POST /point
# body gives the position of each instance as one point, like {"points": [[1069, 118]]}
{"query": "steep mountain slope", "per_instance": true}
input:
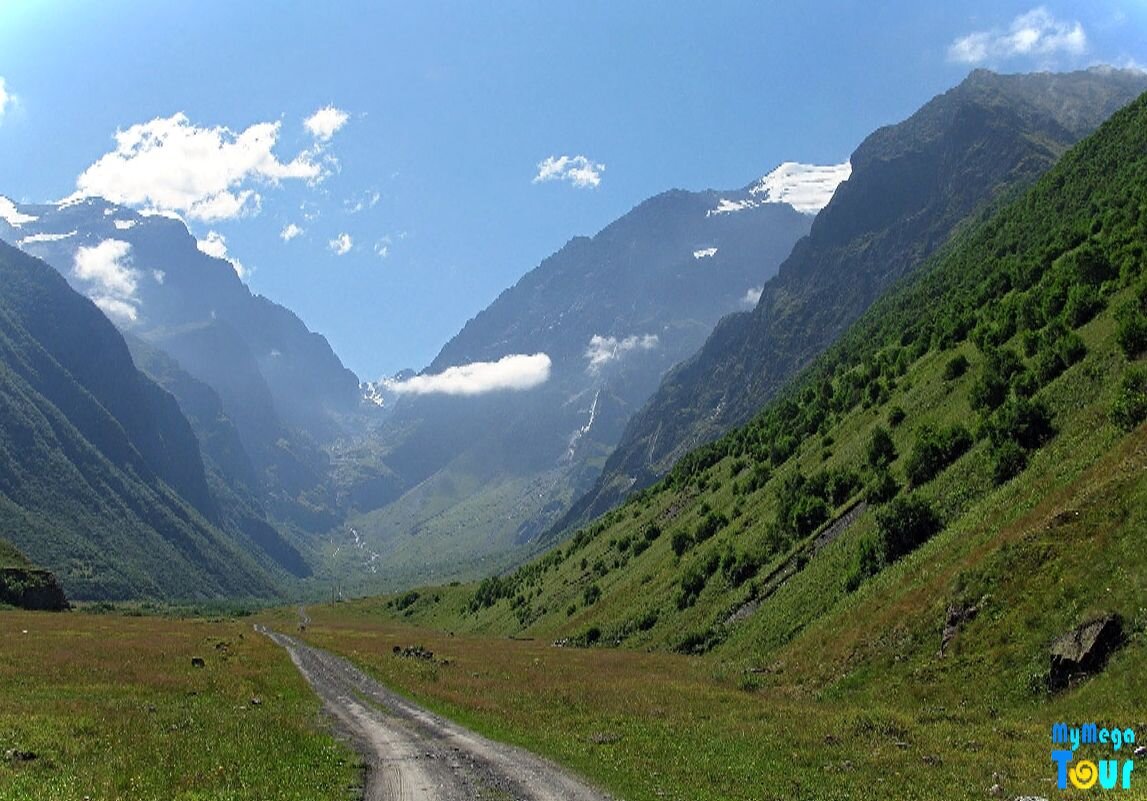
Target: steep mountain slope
{"points": [[101, 478], [280, 384], [953, 486], [482, 475], [233, 481], [911, 185]]}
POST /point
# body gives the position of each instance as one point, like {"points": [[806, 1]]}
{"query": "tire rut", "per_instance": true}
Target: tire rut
{"points": [[414, 755]]}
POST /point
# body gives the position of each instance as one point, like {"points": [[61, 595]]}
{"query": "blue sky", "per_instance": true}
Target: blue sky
{"points": [[416, 193]]}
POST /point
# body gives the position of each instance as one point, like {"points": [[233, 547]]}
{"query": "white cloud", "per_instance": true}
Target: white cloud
{"points": [[753, 296], [1034, 34], [289, 232], [367, 201], [704, 253], [515, 372], [578, 170], [112, 282], [159, 275], [6, 99], [215, 245], [603, 350], [382, 247], [325, 123], [169, 166], [341, 244]]}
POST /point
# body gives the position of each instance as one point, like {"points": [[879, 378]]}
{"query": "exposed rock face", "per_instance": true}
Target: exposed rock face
{"points": [[1084, 650], [30, 588], [954, 619]]}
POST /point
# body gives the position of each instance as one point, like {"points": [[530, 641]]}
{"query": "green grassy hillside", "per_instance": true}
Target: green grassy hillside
{"points": [[971, 450]]}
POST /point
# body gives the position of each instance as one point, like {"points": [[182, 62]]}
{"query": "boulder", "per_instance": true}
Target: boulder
{"points": [[954, 619], [1084, 650]]}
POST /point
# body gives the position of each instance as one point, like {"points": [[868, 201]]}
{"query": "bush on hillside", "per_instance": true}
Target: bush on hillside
{"points": [[934, 450], [1008, 461], [882, 488], [905, 524], [956, 367], [1024, 421], [1130, 406], [1131, 328], [881, 450], [869, 562]]}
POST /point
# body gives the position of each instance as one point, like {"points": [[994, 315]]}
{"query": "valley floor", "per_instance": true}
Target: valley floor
{"points": [[119, 707], [663, 726]]}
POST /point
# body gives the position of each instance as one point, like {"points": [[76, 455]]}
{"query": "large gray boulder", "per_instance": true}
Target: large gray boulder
{"points": [[1084, 650]]}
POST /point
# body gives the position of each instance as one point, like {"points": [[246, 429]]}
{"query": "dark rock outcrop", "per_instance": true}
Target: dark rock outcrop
{"points": [[31, 588], [1084, 650]]}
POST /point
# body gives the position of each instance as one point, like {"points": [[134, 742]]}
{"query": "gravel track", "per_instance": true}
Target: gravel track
{"points": [[414, 755]]}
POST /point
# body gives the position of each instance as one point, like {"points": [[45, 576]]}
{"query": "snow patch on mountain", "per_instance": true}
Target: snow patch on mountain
{"points": [[35, 238], [12, 215], [805, 187]]}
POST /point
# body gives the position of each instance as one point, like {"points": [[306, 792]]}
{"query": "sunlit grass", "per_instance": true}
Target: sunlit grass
{"points": [[112, 708]]}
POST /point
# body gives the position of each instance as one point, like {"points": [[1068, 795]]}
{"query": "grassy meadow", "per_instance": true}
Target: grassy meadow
{"points": [[655, 725], [110, 708]]}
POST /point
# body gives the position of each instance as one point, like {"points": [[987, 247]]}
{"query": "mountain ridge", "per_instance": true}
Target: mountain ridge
{"points": [[989, 132]]}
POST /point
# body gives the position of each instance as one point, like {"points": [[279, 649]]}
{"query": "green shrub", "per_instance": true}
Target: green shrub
{"points": [[896, 416], [869, 562], [809, 512], [406, 600], [882, 488], [1008, 461], [1025, 421], [881, 450], [934, 450], [904, 525], [739, 568], [681, 542], [1130, 406], [1083, 303], [712, 523], [956, 367], [1131, 328], [694, 579]]}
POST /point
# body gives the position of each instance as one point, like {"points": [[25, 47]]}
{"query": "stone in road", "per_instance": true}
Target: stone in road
{"points": [[414, 755]]}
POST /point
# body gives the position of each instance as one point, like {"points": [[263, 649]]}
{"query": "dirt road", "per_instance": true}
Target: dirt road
{"points": [[413, 755]]}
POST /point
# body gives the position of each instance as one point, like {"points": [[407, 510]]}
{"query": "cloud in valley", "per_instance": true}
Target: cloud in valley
{"points": [[603, 350], [1036, 34], [111, 280], [516, 372], [170, 165], [580, 171]]}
